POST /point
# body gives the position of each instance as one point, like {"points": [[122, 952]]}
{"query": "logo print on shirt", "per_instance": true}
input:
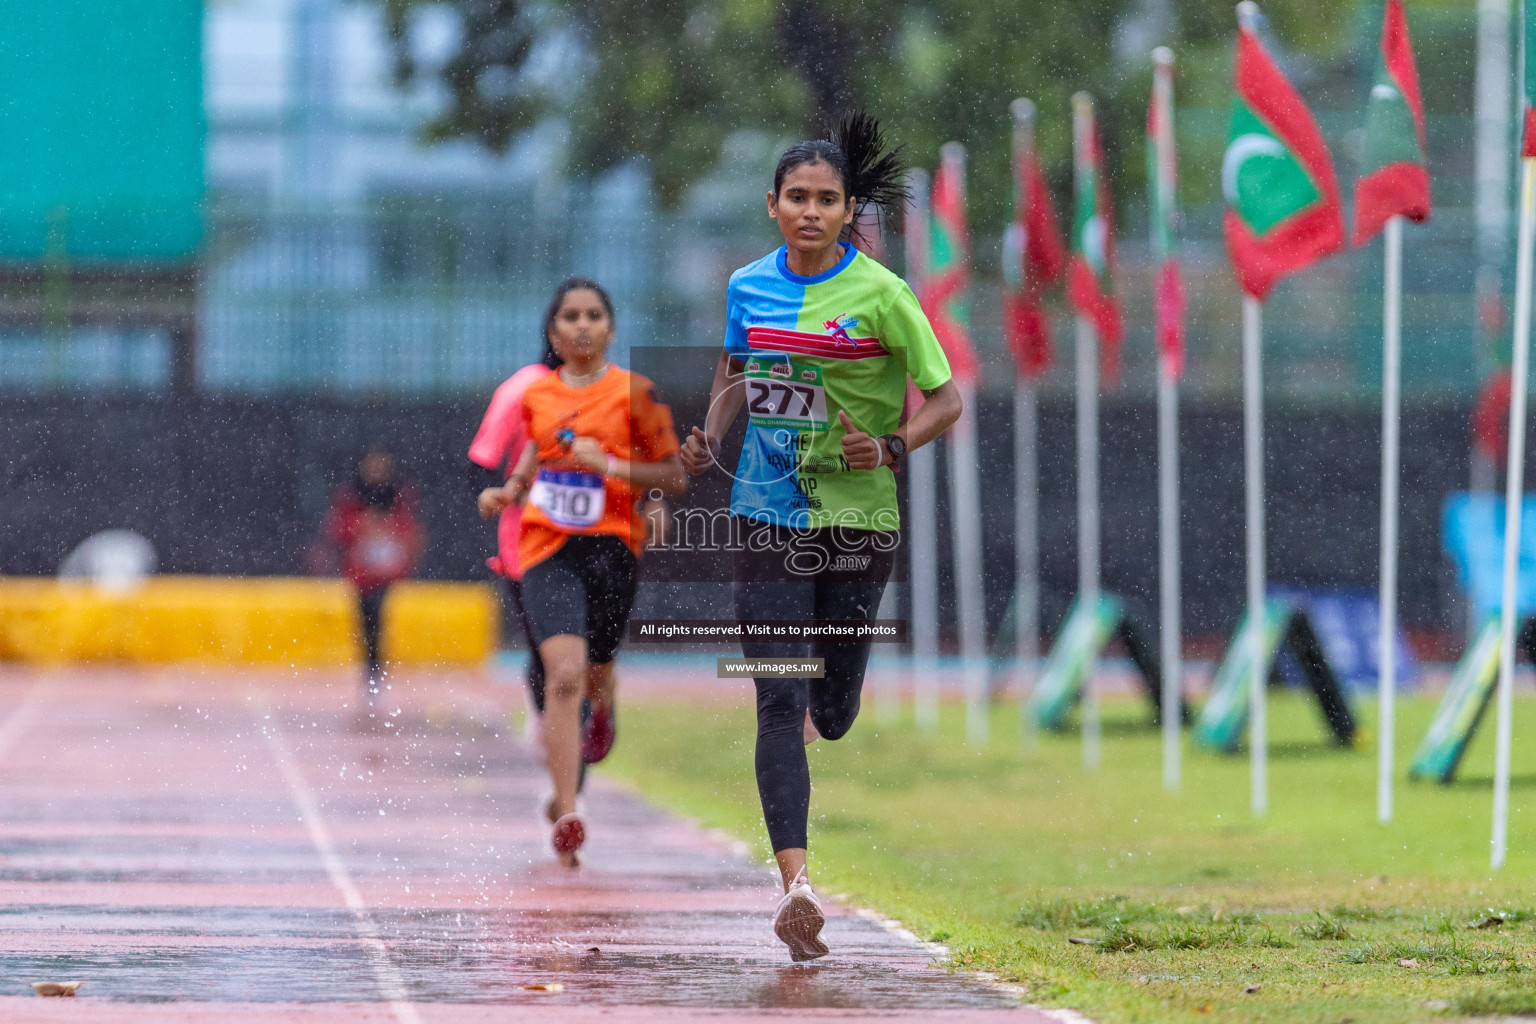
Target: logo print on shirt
{"points": [[566, 434], [839, 326]]}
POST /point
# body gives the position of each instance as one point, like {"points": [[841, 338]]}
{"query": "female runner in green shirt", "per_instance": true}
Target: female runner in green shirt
{"points": [[820, 342]]}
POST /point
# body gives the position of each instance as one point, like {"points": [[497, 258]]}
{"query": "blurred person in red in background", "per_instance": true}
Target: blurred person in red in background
{"points": [[372, 524]]}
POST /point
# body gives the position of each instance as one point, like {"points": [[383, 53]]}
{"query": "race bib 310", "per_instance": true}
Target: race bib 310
{"points": [[569, 498]]}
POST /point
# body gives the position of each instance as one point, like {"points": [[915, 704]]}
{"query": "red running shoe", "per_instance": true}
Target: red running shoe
{"points": [[597, 734], [570, 832]]}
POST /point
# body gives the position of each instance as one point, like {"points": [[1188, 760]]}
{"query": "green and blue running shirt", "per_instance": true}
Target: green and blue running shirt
{"points": [[846, 339]]}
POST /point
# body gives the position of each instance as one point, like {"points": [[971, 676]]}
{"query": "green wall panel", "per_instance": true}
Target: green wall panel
{"points": [[101, 130]]}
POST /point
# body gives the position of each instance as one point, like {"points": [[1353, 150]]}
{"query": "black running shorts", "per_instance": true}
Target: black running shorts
{"points": [[585, 589]]}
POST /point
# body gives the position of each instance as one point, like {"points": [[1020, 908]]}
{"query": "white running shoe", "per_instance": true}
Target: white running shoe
{"points": [[799, 920]]}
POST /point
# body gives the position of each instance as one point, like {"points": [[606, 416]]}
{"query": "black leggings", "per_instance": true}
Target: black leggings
{"points": [[370, 604], [765, 589]]}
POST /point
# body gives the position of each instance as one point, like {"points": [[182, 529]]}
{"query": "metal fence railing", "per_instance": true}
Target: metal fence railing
{"points": [[422, 297]]}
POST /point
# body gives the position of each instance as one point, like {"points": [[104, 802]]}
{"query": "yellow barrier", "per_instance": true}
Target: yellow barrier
{"points": [[215, 619]]}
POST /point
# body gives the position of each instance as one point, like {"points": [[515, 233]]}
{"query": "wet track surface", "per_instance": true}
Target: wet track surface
{"points": [[216, 847]]}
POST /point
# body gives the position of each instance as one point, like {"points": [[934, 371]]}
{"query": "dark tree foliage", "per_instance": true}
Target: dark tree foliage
{"points": [[482, 76], [668, 81]]}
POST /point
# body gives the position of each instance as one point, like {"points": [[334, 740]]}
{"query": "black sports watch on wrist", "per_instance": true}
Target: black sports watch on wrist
{"points": [[895, 445]]}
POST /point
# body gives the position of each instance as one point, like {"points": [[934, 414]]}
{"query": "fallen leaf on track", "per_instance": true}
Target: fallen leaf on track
{"points": [[55, 988], [553, 986]]}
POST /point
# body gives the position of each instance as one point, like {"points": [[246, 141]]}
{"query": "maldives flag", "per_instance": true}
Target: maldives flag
{"points": [[948, 273], [1283, 209], [1528, 144], [1033, 254], [1091, 272], [1162, 184], [1395, 178]]}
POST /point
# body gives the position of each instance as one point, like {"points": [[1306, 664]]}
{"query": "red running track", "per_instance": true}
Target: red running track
{"points": [[195, 845]]}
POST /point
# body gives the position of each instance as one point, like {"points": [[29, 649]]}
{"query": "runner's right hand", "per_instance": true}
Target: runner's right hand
{"points": [[492, 501], [699, 452]]}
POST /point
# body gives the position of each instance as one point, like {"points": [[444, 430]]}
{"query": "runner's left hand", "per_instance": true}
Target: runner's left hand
{"points": [[859, 449], [590, 454]]}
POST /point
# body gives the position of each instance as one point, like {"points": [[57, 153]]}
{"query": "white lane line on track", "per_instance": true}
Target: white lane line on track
{"points": [[390, 983], [22, 717]]}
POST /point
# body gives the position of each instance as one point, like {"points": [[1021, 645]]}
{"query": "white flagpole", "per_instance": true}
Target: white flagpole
{"points": [[1494, 105], [1253, 451], [922, 507], [1391, 388], [1087, 366], [1088, 516], [965, 532], [1026, 544], [1169, 589], [884, 688], [1168, 457], [1026, 477], [922, 533], [1513, 501]]}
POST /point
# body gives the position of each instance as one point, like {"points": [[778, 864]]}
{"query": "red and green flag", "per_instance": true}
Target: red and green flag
{"points": [[1528, 59], [1162, 184], [1490, 413], [1394, 179], [1091, 270], [1283, 208], [1033, 254], [947, 276]]}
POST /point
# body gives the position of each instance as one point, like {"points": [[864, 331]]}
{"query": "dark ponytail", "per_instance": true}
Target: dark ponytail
{"points": [[875, 175], [857, 151]]}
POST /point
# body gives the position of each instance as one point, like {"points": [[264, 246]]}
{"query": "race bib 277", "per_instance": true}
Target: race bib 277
{"points": [[786, 394]]}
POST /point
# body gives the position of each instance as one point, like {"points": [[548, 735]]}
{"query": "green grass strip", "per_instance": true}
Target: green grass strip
{"points": [[1183, 903]]}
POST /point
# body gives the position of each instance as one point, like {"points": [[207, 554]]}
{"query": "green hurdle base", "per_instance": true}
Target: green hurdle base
{"points": [[1466, 700], [1090, 627], [1225, 714]]}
